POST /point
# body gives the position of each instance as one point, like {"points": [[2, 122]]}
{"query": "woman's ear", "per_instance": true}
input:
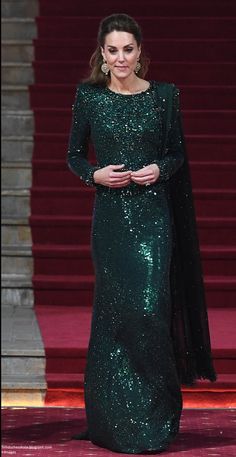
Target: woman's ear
{"points": [[102, 52]]}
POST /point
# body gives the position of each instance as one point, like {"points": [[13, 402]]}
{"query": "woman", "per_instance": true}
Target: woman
{"points": [[149, 331]]}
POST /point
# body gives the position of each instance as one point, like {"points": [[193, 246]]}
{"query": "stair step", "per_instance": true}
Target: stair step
{"points": [[21, 336], [16, 280], [188, 72], [17, 51], [22, 350], [73, 346], [208, 97], [217, 230], [210, 147], [84, 282], [168, 49], [165, 8], [160, 27], [17, 73], [212, 202], [15, 202], [16, 175], [59, 289], [224, 382], [19, 122], [17, 148], [12, 265], [76, 229], [222, 337], [60, 380], [211, 174], [195, 121], [75, 282], [57, 250], [15, 97], [22, 297], [26, 365], [11, 382], [16, 232], [19, 8], [218, 260], [77, 259], [53, 146], [17, 258], [80, 200], [18, 28], [83, 251], [17, 290]]}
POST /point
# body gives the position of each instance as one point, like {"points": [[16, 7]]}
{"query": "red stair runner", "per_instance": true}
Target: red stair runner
{"points": [[191, 44]]}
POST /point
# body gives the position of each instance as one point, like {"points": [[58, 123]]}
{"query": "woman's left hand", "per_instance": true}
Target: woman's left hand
{"points": [[146, 175]]}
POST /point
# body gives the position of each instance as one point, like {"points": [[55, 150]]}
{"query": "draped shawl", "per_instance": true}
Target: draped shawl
{"points": [[190, 327]]}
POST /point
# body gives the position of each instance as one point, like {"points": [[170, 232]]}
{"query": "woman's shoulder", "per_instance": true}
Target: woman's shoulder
{"points": [[85, 93], [86, 87], [165, 85]]}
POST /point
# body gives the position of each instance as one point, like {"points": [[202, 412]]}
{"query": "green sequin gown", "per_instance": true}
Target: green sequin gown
{"points": [[132, 390]]}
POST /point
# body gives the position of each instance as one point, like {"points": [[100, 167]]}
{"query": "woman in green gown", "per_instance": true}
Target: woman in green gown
{"points": [[149, 329]]}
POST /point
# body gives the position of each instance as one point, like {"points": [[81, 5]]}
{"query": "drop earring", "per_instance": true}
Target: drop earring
{"points": [[105, 68], [138, 66]]}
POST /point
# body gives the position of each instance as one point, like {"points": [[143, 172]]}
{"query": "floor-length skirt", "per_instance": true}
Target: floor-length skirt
{"points": [[132, 392]]}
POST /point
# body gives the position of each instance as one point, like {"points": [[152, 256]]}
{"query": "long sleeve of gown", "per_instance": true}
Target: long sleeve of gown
{"points": [[77, 155], [174, 156]]}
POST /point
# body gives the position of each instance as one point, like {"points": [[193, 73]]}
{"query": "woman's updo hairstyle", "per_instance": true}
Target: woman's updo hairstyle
{"points": [[121, 23]]}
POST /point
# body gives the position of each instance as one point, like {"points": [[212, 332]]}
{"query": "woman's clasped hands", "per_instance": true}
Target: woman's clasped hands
{"points": [[111, 176]]}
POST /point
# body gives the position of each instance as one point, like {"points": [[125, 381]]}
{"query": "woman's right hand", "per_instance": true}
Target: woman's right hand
{"points": [[108, 176]]}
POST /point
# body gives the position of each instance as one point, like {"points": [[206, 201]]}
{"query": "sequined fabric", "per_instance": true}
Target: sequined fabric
{"points": [[132, 382]]}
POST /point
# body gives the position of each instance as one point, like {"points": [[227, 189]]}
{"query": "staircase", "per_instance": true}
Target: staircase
{"points": [[23, 358], [192, 45]]}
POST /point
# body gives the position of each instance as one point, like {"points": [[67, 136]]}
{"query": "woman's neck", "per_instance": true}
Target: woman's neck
{"points": [[129, 86]]}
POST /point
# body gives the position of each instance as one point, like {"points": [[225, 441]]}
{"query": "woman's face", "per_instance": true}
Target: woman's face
{"points": [[121, 53]]}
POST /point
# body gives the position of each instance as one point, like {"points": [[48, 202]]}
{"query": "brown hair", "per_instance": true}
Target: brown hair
{"points": [[119, 22]]}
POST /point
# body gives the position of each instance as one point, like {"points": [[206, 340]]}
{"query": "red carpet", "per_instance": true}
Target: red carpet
{"points": [[191, 44], [47, 432], [66, 361]]}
